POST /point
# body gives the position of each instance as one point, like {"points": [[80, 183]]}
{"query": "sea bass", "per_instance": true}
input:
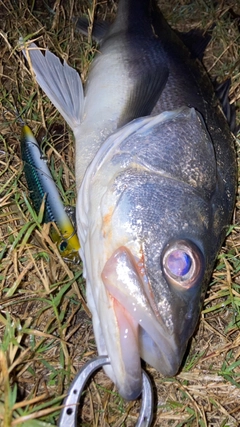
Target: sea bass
{"points": [[153, 207], [154, 204], [153, 211]]}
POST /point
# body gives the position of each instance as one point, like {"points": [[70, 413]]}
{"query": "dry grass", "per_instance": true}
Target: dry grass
{"points": [[45, 327]]}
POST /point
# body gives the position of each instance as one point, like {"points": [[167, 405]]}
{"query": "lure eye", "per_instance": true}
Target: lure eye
{"points": [[63, 246], [183, 264]]}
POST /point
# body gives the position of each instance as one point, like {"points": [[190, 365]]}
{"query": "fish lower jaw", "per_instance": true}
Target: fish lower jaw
{"points": [[167, 364], [140, 333], [130, 389], [125, 362], [134, 344]]}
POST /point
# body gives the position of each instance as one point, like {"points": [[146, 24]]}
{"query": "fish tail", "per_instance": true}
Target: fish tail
{"points": [[131, 14], [60, 82]]}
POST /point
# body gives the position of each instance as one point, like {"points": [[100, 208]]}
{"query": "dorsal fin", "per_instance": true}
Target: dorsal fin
{"points": [[196, 41], [222, 92]]}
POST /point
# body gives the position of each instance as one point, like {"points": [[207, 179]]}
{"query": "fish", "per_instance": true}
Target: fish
{"points": [[154, 211], [155, 199], [154, 208], [41, 184]]}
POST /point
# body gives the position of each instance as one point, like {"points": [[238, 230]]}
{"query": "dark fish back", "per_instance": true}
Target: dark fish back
{"points": [[189, 85]]}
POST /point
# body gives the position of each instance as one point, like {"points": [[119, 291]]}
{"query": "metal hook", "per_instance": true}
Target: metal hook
{"points": [[68, 416]]}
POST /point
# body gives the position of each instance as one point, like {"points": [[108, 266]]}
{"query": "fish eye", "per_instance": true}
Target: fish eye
{"points": [[183, 264], [63, 246]]}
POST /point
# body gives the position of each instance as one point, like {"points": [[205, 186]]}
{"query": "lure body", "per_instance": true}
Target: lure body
{"points": [[40, 183]]}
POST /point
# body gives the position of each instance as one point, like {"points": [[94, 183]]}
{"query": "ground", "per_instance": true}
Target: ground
{"points": [[45, 326]]}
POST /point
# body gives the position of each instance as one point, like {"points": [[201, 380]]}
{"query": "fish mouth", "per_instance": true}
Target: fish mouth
{"points": [[142, 332]]}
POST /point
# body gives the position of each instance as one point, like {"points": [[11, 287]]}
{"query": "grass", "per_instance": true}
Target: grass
{"points": [[45, 326]]}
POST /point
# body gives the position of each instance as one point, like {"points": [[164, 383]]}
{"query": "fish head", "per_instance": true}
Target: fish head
{"points": [[149, 225]]}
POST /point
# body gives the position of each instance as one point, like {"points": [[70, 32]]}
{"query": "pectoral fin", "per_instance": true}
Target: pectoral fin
{"points": [[146, 93], [99, 29]]}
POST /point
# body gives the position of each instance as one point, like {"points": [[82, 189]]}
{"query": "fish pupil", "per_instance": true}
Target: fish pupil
{"points": [[179, 263]]}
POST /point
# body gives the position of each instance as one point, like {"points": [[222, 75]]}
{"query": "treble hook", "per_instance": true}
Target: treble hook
{"points": [[68, 416]]}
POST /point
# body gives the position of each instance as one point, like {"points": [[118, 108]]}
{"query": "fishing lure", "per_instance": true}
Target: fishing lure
{"points": [[40, 183]]}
